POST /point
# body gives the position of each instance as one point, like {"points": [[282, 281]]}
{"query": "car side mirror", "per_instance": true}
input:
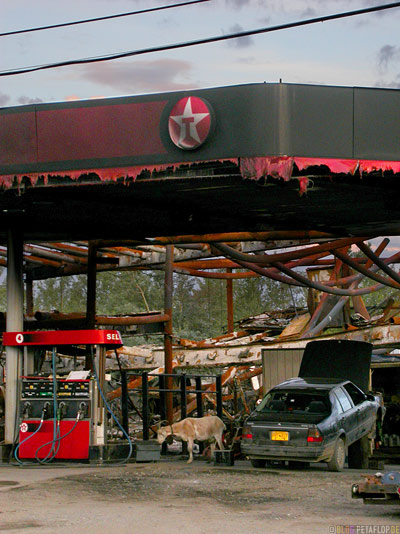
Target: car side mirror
{"points": [[370, 397]]}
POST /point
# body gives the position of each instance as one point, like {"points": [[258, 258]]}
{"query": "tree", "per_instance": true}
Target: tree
{"points": [[199, 304]]}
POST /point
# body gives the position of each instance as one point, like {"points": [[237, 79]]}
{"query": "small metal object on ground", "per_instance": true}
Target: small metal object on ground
{"points": [[376, 463], [225, 457], [147, 451], [5, 452]]}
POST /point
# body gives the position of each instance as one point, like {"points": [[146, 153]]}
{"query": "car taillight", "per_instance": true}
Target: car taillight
{"points": [[314, 436], [246, 433]]}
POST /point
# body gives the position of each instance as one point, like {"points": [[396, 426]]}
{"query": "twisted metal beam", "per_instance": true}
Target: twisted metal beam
{"points": [[269, 259], [363, 270], [294, 278], [314, 329], [381, 263]]}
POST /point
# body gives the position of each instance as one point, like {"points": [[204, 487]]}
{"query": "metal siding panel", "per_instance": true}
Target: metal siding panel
{"points": [[288, 364], [319, 121], [281, 368], [297, 357], [264, 373], [377, 124], [18, 137], [279, 365], [245, 126], [273, 369]]}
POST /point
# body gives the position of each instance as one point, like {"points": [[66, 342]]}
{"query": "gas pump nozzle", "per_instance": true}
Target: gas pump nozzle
{"points": [[47, 410], [63, 409], [27, 409]]}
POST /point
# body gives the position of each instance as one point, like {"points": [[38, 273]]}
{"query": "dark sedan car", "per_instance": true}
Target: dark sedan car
{"points": [[308, 419]]}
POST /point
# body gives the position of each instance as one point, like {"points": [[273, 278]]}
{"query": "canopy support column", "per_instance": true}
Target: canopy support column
{"points": [[14, 323], [91, 294], [168, 293]]}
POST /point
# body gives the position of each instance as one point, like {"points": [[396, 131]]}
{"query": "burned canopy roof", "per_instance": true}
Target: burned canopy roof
{"points": [[254, 158]]}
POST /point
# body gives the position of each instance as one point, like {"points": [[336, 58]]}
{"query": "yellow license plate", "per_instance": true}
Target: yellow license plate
{"points": [[278, 435]]}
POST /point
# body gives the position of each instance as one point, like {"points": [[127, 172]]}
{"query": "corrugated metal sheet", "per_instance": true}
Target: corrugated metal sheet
{"points": [[279, 365]]}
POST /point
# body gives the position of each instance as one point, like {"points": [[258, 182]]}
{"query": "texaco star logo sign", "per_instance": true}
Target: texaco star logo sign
{"points": [[190, 122]]}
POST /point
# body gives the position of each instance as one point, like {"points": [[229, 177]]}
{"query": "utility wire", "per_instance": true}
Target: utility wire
{"points": [[97, 19], [162, 48]]}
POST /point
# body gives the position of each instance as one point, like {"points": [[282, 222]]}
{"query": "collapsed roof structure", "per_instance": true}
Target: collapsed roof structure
{"points": [[230, 182]]}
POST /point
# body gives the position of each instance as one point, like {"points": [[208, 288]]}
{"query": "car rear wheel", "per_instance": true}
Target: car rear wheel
{"points": [[336, 463], [256, 462], [359, 454]]}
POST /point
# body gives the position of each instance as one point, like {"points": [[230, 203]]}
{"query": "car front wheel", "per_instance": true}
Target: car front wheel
{"points": [[336, 463], [359, 453]]}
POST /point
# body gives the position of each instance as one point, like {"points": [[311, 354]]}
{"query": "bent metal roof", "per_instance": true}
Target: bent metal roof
{"points": [[190, 151]]}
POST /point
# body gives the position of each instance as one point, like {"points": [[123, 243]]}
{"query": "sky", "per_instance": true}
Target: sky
{"points": [[358, 51]]}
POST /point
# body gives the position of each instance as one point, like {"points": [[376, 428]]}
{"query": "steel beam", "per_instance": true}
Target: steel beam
{"points": [[168, 296], [229, 303], [14, 323]]}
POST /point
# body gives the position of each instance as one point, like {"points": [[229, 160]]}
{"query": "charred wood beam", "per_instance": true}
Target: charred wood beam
{"points": [[57, 256], [71, 249]]}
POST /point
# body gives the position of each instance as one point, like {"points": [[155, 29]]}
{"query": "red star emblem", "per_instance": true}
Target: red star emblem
{"points": [[189, 122]]}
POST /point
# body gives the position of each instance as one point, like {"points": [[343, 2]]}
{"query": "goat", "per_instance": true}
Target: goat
{"points": [[192, 428]]}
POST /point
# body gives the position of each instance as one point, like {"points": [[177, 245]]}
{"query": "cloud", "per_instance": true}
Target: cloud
{"points": [[309, 13], [248, 60], [4, 99], [394, 84], [239, 3], [28, 100], [309, 8], [158, 75], [240, 42], [386, 55]]}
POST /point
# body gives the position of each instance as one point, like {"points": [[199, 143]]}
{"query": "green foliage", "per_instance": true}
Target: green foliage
{"points": [[199, 304], [66, 294]]}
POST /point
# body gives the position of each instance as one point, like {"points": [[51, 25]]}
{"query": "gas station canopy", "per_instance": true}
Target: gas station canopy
{"points": [[251, 158]]}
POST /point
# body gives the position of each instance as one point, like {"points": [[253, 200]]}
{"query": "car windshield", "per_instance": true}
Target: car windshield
{"points": [[298, 402]]}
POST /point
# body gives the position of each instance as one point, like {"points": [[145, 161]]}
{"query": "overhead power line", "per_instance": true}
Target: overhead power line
{"points": [[163, 48], [97, 19]]}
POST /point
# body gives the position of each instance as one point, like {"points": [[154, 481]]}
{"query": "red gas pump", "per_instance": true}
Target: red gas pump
{"points": [[61, 418]]}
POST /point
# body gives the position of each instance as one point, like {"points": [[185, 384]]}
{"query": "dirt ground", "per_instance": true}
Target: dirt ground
{"points": [[171, 496]]}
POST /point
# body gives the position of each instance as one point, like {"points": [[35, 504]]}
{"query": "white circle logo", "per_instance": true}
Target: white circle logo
{"points": [[19, 338], [190, 122], [24, 427]]}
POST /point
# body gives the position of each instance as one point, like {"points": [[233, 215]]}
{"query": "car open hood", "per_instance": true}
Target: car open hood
{"points": [[343, 359]]}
